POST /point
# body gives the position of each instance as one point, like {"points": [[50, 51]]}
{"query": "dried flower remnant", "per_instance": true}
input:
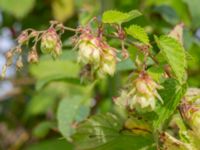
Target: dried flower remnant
{"points": [[23, 37], [141, 94], [33, 56], [19, 63], [190, 109], [171, 143]]}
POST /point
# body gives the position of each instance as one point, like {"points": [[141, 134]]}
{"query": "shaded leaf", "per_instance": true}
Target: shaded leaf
{"points": [[125, 65], [171, 94], [156, 72], [42, 129], [71, 111], [48, 68], [51, 144], [41, 102], [43, 82], [167, 13], [104, 132], [193, 6]]}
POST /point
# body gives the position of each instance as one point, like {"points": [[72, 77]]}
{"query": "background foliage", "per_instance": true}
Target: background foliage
{"points": [[46, 98]]}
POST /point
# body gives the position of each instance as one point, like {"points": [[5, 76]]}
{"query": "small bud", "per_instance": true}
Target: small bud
{"points": [[177, 33], [9, 58], [49, 41], [23, 37], [19, 63], [33, 34], [18, 50], [9, 55], [33, 56], [3, 73]]}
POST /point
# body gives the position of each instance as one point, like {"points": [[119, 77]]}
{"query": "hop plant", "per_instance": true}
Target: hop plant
{"points": [[96, 52], [89, 52], [190, 109], [50, 42], [142, 94]]}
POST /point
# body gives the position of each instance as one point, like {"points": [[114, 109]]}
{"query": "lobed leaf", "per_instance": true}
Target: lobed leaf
{"points": [[171, 94], [174, 54], [104, 132]]}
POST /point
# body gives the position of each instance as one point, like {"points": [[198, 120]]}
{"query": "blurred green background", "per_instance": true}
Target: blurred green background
{"points": [[29, 100]]}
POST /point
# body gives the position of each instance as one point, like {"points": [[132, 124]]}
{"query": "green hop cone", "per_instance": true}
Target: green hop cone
{"points": [[49, 41], [108, 63], [141, 94], [96, 52], [88, 51], [145, 93]]}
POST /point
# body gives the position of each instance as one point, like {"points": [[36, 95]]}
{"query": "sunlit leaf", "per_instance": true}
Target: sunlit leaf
{"points": [[174, 54], [113, 16], [17, 8], [138, 33]]}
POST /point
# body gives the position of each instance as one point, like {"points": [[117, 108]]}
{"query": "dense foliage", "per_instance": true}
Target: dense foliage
{"points": [[104, 75]]}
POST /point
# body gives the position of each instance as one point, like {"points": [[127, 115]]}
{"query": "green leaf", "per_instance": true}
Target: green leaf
{"points": [[174, 54], [156, 72], [113, 16], [193, 6], [71, 110], [104, 132], [138, 33], [125, 65], [62, 9], [17, 8], [47, 68], [41, 102], [168, 14], [45, 81], [51, 144], [194, 139], [171, 94], [42, 129]]}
